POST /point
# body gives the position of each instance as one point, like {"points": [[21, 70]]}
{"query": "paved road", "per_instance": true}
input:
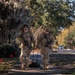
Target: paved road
{"points": [[54, 70], [35, 72]]}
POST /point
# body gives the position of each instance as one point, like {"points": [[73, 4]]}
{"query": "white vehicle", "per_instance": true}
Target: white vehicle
{"points": [[36, 58], [68, 49], [61, 47]]}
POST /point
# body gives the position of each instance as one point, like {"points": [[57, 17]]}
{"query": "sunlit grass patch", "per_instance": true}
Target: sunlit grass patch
{"points": [[7, 64]]}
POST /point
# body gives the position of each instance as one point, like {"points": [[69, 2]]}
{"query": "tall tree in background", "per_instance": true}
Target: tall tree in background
{"points": [[12, 14], [67, 37], [71, 36], [51, 13], [47, 13]]}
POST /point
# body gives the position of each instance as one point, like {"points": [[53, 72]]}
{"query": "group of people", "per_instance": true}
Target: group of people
{"points": [[26, 42]]}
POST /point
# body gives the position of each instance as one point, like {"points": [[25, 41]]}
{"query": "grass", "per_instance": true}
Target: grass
{"points": [[7, 64], [73, 73]]}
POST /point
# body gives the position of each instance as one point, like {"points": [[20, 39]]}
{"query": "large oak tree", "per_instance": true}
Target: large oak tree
{"points": [[47, 13]]}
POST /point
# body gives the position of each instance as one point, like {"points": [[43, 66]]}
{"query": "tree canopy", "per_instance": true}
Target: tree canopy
{"points": [[52, 14], [67, 36]]}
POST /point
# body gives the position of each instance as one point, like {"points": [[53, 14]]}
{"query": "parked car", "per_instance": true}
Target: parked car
{"points": [[35, 60], [61, 47]]}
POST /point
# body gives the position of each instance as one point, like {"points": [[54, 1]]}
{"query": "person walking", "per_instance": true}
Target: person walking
{"points": [[25, 39]]}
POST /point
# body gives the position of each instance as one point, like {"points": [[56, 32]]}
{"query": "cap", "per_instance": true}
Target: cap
{"points": [[25, 25]]}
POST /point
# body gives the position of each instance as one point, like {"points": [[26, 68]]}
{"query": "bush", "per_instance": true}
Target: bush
{"points": [[73, 73], [5, 66], [8, 51]]}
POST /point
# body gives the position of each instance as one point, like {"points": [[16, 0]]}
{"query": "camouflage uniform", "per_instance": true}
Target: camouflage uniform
{"points": [[25, 40], [45, 43]]}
